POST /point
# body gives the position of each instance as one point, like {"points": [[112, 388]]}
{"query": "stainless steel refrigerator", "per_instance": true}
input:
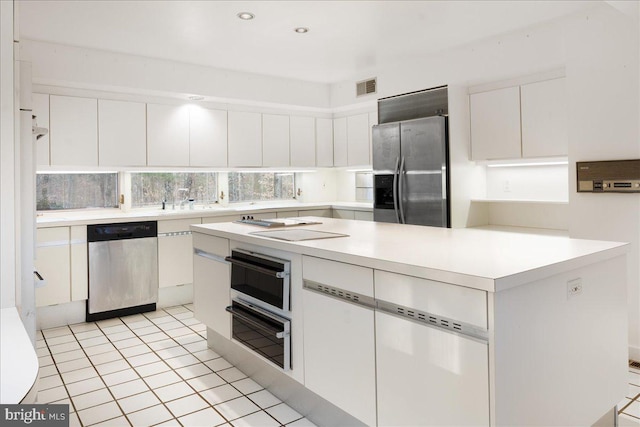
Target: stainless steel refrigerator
{"points": [[411, 172]]}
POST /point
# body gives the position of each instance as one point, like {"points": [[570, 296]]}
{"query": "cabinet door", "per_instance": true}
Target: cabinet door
{"points": [[41, 111], [303, 141], [245, 139], [175, 252], [544, 118], [429, 377], [363, 216], [343, 214], [212, 283], [358, 140], [53, 262], [495, 124], [167, 135], [339, 354], [340, 142], [275, 140], [287, 214], [122, 133], [324, 142], [207, 137], [73, 132]]}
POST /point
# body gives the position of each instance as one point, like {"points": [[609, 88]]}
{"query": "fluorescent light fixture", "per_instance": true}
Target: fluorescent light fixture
{"points": [[301, 30], [246, 16], [511, 165], [360, 170], [196, 97]]}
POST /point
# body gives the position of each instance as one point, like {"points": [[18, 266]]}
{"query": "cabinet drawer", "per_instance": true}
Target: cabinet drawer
{"points": [[442, 299], [177, 225], [348, 277], [54, 236], [214, 245]]}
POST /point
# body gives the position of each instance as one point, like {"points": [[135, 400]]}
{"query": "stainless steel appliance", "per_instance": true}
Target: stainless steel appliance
{"points": [[411, 172], [123, 269], [260, 305], [609, 176]]}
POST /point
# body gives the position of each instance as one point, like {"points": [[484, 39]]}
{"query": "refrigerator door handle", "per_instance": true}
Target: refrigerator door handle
{"points": [[400, 190], [396, 172]]}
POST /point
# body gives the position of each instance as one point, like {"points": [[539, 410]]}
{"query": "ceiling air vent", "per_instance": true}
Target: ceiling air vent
{"points": [[366, 87]]}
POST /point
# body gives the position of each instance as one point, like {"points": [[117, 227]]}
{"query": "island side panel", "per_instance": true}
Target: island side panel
{"points": [[561, 359]]}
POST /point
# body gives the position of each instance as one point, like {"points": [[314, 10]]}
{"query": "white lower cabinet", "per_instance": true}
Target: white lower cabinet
{"points": [[429, 377], [339, 345], [211, 279], [53, 262], [175, 248]]}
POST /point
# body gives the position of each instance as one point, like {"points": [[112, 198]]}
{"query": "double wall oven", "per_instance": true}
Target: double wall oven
{"points": [[260, 305]]}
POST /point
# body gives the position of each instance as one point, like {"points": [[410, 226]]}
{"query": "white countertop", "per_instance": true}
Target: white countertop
{"points": [[88, 216], [18, 359], [483, 259]]}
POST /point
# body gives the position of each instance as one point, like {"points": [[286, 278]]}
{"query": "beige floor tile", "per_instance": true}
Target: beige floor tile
{"points": [[73, 365], [190, 321], [246, 385], [138, 402], [79, 375], [131, 342], [218, 364], [97, 349], [143, 359], [261, 419], [182, 361], [163, 379], [150, 416], [68, 355], [93, 398], [283, 413], [116, 422], [170, 352], [155, 314], [45, 361], [85, 386], [231, 374], [92, 333], [197, 346], [101, 358], [121, 336], [152, 369], [74, 421], [143, 323], [99, 413], [133, 318], [193, 371], [206, 381], [135, 350], [236, 408], [173, 324], [264, 399], [115, 329], [188, 339], [162, 320], [90, 342], [47, 371], [186, 405], [120, 377], [83, 327], [52, 394], [63, 348], [220, 394], [50, 382], [56, 332], [164, 344], [176, 310], [206, 355], [107, 323], [128, 389], [61, 339], [173, 391], [146, 330], [302, 422], [43, 351], [158, 336], [111, 367], [205, 418]]}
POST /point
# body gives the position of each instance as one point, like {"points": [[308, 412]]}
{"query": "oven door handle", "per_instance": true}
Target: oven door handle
{"points": [[263, 270], [275, 332]]}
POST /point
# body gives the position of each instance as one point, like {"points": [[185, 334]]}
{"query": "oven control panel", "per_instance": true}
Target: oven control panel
{"points": [[611, 176]]}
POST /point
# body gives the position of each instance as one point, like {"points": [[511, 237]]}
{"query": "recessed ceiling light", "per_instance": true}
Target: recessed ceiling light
{"points": [[301, 30], [196, 97], [246, 16]]}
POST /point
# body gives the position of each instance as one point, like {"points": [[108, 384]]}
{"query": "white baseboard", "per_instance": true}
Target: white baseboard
{"points": [[175, 295], [634, 353]]}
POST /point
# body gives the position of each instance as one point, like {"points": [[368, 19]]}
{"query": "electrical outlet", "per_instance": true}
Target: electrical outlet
{"points": [[506, 186], [574, 287]]}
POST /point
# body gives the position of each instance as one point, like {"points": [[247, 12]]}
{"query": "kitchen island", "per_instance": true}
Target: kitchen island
{"points": [[410, 325]]}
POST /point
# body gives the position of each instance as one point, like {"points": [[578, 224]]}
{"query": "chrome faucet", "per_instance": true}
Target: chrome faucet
{"points": [[185, 197]]}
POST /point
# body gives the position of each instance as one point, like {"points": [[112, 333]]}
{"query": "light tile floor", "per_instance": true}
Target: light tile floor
{"points": [[151, 369], [155, 369]]}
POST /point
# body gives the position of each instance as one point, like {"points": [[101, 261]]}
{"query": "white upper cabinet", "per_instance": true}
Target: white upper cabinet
{"points": [[324, 142], [207, 137], [245, 139], [41, 111], [167, 135], [544, 118], [303, 141], [122, 133], [358, 139], [73, 132], [495, 124], [340, 142], [275, 140]]}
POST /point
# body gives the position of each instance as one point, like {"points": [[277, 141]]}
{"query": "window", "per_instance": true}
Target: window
{"points": [[249, 186], [150, 189], [55, 191]]}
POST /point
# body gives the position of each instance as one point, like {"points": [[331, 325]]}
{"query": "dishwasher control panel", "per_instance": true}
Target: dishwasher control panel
{"points": [[611, 176], [123, 230]]}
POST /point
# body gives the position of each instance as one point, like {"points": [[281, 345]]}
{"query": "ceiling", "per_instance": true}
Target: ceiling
{"points": [[346, 38]]}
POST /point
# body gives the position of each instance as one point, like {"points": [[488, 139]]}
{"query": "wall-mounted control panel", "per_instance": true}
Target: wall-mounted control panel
{"points": [[609, 176]]}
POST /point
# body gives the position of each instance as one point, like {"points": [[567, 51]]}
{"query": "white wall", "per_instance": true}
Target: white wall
{"points": [[550, 183], [58, 65], [603, 87]]}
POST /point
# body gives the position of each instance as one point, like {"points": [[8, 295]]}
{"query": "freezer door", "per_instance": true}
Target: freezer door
{"points": [[386, 148], [423, 179]]}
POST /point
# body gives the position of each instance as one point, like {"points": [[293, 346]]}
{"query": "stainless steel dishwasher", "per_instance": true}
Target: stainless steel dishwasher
{"points": [[123, 269]]}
